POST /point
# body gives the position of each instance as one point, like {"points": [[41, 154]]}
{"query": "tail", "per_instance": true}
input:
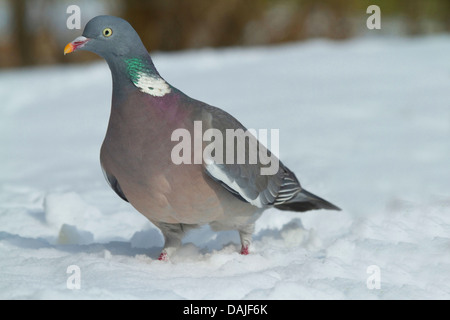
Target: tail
{"points": [[305, 201]]}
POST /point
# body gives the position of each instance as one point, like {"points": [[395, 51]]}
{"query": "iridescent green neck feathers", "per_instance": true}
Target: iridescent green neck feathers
{"points": [[144, 77]]}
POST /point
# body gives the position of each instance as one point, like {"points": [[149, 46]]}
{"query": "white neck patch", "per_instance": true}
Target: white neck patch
{"points": [[154, 86]]}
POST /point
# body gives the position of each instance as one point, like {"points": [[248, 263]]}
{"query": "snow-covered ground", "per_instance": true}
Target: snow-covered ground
{"points": [[363, 123]]}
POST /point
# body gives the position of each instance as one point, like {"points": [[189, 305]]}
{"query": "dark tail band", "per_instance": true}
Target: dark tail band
{"points": [[305, 201]]}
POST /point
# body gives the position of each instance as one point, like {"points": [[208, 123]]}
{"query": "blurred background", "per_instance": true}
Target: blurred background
{"points": [[34, 32]]}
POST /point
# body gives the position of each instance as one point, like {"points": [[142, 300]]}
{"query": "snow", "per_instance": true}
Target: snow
{"points": [[364, 124]]}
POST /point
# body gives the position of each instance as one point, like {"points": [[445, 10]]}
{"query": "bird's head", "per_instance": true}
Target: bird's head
{"points": [[115, 40], [108, 37]]}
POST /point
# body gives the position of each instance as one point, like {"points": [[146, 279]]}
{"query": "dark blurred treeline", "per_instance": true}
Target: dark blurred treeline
{"points": [[36, 30]]}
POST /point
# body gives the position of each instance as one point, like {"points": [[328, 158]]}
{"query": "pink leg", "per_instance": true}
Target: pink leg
{"points": [[245, 233], [244, 250]]}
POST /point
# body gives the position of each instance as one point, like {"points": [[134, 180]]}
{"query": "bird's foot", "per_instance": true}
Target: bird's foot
{"points": [[163, 256], [244, 250]]}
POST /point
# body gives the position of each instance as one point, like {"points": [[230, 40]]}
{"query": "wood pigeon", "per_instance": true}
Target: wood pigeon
{"points": [[224, 182]]}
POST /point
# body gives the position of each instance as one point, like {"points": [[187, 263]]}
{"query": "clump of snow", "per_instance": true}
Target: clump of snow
{"points": [[364, 124], [68, 208], [71, 235]]}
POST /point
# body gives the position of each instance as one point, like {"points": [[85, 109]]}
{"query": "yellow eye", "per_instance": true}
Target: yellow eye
{"points": [[107, 32]]}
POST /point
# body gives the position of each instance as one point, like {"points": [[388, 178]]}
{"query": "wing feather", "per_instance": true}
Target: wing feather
{"points": [[245, 181]]}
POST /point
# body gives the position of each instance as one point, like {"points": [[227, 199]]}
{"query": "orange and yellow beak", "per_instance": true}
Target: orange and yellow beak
{"points": [[69, 48], [75, 44]]}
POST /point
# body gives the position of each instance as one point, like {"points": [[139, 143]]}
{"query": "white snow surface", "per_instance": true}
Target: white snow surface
{"points": [[363, 123]]}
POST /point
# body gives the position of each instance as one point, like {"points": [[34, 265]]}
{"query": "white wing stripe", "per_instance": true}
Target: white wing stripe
{"points": [[217, 173]]}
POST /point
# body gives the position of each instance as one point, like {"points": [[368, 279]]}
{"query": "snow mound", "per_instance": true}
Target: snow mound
{"points": [[68, 208], [71, 235]]}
